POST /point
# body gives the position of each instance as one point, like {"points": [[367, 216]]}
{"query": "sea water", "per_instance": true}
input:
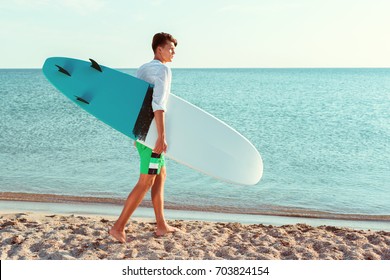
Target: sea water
{"points": [[324, 136]]}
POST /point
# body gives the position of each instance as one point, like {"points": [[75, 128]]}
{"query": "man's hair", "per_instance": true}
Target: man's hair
{"points": [[160, 39]]}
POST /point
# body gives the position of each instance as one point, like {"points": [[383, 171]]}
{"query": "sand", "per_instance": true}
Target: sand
{"points": [[32, 236]]}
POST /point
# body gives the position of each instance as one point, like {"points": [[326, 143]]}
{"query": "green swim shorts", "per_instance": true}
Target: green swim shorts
{"points": [[150, 163]]}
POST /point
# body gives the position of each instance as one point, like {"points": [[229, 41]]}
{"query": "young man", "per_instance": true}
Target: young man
{"points": [[153, 171]]}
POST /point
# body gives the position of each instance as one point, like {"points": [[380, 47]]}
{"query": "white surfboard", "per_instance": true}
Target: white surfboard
{"points": [[195, 138], [201, 141]]}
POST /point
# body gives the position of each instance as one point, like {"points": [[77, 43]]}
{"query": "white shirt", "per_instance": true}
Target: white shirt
{"points": [[159, 75]]}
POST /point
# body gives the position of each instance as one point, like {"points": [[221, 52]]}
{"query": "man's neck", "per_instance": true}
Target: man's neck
{"points": [[157, 57]]}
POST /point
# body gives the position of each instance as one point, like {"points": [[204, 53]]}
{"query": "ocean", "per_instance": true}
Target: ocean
{"points": [[324, 136]]}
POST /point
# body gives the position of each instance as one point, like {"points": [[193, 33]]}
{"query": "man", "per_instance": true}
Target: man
{"points": [[153, 171]]}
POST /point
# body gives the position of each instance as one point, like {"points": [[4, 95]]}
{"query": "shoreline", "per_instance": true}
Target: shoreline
{"points": [[79, 231], [274, 211], [59, 204]]}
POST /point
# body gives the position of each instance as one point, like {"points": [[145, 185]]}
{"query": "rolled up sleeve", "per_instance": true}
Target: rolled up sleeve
{"points": [[161, 89]]}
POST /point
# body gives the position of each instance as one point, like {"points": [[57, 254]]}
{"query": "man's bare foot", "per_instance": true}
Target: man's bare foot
{"points": [[165, 229], [118, 235]]}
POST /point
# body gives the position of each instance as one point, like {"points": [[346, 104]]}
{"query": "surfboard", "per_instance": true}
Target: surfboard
{"points": [[195, 138]]}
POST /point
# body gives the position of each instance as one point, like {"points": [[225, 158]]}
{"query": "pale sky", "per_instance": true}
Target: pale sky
{"points": [[210, 33]]}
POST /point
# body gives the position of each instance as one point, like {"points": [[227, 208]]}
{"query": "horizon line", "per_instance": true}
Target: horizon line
{"points": [[189, 68]]}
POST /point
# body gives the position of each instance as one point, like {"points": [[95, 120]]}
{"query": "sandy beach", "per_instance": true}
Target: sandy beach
{"points": [[33, 236]]}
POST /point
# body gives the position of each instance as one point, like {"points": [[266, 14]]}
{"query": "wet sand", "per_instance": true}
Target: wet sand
{"points": [[270, 211]]}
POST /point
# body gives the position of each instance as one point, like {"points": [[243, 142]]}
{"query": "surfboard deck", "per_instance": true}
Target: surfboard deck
{"points": [[195, 138]]}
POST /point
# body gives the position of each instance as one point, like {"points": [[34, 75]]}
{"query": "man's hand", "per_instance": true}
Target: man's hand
{"points": [[161, 146]]}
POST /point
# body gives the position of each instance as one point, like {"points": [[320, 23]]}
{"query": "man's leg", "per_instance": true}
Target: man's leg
{"points": [[158, 204], [133, 200]]}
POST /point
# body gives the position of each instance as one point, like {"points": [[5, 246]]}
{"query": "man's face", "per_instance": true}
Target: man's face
{"points": [[168, 52]]}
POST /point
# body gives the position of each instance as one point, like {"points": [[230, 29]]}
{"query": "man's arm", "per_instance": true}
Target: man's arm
{"points": [[161, 144]]}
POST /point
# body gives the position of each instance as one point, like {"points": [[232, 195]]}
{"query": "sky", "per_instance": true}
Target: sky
{"points": [[210, 33]]}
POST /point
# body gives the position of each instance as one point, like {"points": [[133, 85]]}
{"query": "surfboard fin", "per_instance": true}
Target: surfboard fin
{"points": [[62, 70], [81, 99], [95, 65]]}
